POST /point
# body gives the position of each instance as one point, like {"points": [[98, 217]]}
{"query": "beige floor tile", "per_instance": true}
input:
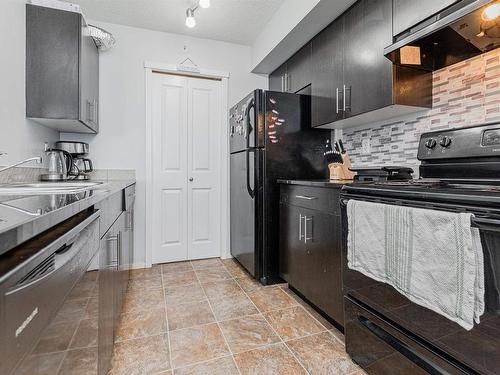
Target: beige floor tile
{"points": [[86, 334], [145, 285], [137, 301], [249, 332], [220, 366], [56, 337], [142, 323], [80, 362], [308, 308], [293, 323], [145, 273], [222, 289], [179, 278], [249, 284], [147, 355], [231, 307], [72, 310], [175, 295], [92, 309], [43, 364], [270, 360], [235, 269], [206, 263], [197, 344], [207, 275], [338, 335], [189, 315], [267, 299], [176, 267], [322, 354]]}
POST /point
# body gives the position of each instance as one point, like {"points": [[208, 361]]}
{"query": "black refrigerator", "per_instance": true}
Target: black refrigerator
{"points": [[270, 139]]}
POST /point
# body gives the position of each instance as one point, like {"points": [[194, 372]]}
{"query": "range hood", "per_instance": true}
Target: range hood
{"points": [[466, 29]]}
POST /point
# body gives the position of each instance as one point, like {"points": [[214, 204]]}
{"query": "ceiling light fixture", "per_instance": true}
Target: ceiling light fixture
{"points": [[491, 12], [190, 21], [204, 4]]}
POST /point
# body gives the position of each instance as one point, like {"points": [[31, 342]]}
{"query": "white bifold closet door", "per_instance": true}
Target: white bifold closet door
{"points": [[186, 118]]}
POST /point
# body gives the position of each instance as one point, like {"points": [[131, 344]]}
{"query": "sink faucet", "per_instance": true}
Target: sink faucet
{"points": [[37, 159]]}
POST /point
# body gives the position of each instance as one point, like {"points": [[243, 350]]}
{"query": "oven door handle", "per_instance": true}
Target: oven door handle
{"points": [[483, 223], [402, 348]]}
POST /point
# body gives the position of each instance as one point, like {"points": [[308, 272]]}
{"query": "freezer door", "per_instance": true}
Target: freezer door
{"points": [[243, 127], [243, 210]]}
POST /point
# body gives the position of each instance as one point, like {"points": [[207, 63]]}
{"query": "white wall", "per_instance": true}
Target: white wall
{"points": [[120, 143], [19, 137]]}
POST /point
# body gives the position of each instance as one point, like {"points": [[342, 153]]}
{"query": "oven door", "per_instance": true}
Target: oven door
{"points": [[474, 351]]}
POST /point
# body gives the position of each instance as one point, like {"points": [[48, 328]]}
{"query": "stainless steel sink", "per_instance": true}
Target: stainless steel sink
{"points": [[48, 187]]}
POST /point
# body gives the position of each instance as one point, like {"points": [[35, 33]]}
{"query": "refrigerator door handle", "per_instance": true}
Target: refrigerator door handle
{"points": [[248, 128], [251, 191]]}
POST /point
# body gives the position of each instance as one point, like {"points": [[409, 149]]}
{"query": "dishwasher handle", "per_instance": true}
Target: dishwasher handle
{"points": [[61, 256]]}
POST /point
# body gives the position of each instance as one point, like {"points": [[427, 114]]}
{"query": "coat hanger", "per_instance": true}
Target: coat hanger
{"points": [[193, 67]]}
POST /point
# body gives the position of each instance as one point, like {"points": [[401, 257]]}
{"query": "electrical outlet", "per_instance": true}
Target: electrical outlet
{"points": [[365, 146]]}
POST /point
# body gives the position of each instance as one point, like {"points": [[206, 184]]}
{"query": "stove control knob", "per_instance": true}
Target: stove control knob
{"points": [[431, 143], [445, 142]]}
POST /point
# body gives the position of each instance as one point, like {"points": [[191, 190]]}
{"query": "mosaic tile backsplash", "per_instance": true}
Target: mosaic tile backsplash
{"points": [[464, 94]]}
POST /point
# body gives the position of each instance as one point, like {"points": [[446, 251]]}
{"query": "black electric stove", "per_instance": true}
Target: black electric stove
{"points": [[385, 332]]}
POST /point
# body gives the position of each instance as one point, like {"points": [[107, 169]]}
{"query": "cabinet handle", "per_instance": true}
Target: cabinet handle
{"points": [[306, 197], [337, 99], [96, 112], [288, 80], [300, 227], [282, 83], [347, 107], [306, 219]]}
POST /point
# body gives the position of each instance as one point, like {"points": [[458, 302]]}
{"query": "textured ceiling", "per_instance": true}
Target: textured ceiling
{"points": [[236, 21]]}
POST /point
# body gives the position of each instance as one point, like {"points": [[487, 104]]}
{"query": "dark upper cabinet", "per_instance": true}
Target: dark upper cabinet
{"points": [[293, 75], [277, 79], [327, 74], [353, 82], [62, 71], [299, 73], [408, 13], [367, 73]]}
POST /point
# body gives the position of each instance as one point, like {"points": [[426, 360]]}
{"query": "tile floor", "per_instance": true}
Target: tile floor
{"points": [[205, 317], [210, 317]]}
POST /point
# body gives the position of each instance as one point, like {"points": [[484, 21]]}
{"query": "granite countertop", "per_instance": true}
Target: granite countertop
{"points": [[318, 183], [25, 216]]}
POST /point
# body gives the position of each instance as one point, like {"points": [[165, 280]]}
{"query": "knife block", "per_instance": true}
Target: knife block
{"points": [[336, 171], [348, 174]]}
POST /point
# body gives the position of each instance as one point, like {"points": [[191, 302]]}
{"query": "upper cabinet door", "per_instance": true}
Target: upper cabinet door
{"points": [[277, 79], [299, 69], [89, 81], [367, 73], [408, 13], [327, 74]]}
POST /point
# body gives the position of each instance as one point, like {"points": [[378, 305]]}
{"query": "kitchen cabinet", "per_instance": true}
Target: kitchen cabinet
{"points": [[62, 71], [293, 75], [277, 79], [310, 246], [408, 13], [353, 82], [115, 259], [299, 69], [327, 74], [367, 73]]}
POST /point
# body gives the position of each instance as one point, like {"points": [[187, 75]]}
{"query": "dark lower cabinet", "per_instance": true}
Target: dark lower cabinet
{"points": [[310, 247]]}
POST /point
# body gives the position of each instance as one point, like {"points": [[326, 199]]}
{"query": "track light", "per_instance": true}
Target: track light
{"points": [[190, 21], [491, 12], [204, 4]]}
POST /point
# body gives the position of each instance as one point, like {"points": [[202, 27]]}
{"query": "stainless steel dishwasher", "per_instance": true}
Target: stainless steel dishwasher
{"points": [[35, 279]]}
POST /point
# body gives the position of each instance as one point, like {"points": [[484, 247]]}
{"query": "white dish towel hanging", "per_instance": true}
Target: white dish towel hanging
{"points": [[434, 258]]}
